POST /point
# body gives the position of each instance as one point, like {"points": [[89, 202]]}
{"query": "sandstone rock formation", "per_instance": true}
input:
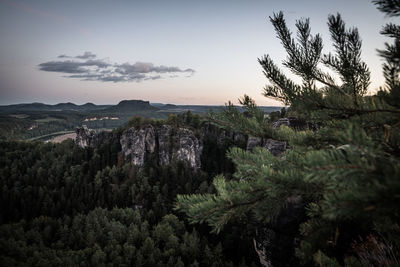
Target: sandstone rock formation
{"points": [[138, 143], [189, 148], [164, 143], [233, 137], [295, 123], [253, 142], [84, 137], [281, 121], [276, 147], [90, 138]]}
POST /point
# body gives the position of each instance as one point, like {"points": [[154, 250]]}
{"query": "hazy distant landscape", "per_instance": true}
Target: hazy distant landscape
{"points": [[42, 121]]}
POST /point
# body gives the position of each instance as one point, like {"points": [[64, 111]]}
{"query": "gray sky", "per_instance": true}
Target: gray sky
{"points": [[183, 52]]}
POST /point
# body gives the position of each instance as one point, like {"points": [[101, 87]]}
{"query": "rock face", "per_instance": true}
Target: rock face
{"points": [[84, 136], [236, 138], [295, 123], [138, 143], [89, 138], [223, 136], [281, 121], [164, 144], [188, 147], [253, 142], [276, 147]]}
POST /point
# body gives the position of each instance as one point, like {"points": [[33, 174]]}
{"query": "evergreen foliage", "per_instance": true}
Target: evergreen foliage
{"points": [[64, 205], [391, 53], [117, 237], [347, 170]]}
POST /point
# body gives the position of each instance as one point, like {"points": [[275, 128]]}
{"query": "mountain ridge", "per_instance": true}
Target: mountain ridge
{"points": [[132, 105]]}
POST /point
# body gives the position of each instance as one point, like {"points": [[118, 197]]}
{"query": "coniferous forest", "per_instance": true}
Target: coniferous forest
{"points": [[71, 206], [329, 198]]}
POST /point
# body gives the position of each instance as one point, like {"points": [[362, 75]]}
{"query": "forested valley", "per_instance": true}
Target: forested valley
{"points": [[65, 205], [315, 184]]}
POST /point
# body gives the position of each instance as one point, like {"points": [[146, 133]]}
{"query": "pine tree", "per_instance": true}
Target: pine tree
{"points": [[391, 53], [347, 171]]}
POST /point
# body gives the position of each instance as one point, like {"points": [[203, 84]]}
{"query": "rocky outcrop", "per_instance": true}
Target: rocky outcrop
{"points": [[281, 121], [188, 148], [253, 142], [90, 138], [232, 137], [138, 143], [84, 136], [165, 144], [295, 123], [223, 137], [276, 147]]}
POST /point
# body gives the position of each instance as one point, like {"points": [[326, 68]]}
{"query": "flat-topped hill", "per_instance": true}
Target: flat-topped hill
{"points": [[131, 105]]}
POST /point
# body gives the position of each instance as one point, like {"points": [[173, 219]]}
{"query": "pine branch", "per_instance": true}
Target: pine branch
{"points": [[347, 61], [390, 7]]}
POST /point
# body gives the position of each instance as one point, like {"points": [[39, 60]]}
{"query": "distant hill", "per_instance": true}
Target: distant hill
{"points": [[125, 106], [89, 106], [45, 107], [169, 106], [66, 106], [131, 106], [158, 105], [25, 107], [164, 106]]}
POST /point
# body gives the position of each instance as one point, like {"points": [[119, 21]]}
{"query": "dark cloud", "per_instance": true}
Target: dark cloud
{"points": [[88, 69], [142, 67], [62, 66], [97, 63], [86, 55], [85, 76], [69, 66]]}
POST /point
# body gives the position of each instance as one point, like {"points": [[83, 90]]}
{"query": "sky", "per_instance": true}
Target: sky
{"points": [[181, 52]]}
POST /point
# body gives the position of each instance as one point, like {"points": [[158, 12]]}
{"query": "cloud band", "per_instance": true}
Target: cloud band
{"points": [[86, 67]]}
